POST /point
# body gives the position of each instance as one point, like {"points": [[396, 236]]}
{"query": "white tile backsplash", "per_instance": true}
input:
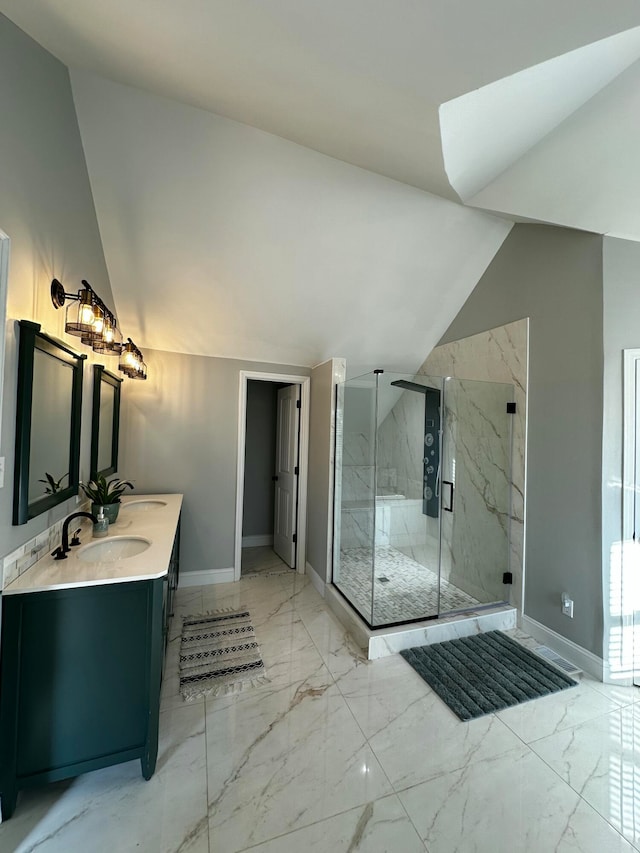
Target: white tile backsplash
{"points": [[18, 561]]}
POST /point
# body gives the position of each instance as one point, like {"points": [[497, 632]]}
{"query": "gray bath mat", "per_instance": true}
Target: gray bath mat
{"points": [[484, 673], [219, 654]]}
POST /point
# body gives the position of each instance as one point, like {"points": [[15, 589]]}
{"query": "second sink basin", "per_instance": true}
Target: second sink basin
{"points": [[114, 548], [144, 505]]}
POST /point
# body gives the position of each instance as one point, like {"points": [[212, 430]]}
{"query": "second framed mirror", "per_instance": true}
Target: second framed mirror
{"points": [[105, 422]]}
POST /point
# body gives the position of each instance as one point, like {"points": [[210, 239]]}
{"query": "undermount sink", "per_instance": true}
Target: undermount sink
{"points": [[144, 505], [113, 549]]}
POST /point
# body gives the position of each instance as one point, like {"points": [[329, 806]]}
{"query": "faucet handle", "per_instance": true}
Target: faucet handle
{"points": [[76, 538], [59, 553]]}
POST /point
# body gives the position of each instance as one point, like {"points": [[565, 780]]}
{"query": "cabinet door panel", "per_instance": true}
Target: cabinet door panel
{"points": [[83, 675]]}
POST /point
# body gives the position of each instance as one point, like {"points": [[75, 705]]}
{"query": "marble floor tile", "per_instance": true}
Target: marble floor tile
{"points": [[380, 692], [264, 596], [282, 761], [308, 602], [507, 804], [114, 809], [622, 694], [288, 652], [376, 827], [423, 738], [261, 560], [562, 710], [339, 651], [600, 760]]}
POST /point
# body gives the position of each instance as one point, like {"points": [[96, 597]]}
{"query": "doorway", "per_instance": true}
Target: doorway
{"points": [[273, 435]]}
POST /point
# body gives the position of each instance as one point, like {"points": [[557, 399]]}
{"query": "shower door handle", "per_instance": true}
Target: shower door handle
{"points": [[450, 507]]}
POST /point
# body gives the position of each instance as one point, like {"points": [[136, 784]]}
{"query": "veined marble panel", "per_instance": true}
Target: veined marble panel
{"points": [[476, 459], [498, 355], [401, 443], [358, 483]]}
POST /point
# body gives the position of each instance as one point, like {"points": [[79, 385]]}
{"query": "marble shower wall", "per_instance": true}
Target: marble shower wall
{"points": [[401, 446], [476, 458], [498, 355], [355, 470]]}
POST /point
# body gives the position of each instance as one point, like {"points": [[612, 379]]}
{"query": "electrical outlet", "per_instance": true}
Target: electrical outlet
{"points": [[1, 472], [567, 605]]}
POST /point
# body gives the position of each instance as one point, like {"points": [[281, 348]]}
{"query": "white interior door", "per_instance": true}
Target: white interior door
{"points": [[286, 475]]}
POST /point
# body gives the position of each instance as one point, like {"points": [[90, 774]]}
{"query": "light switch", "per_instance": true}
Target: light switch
{"points": [[1, 472]]}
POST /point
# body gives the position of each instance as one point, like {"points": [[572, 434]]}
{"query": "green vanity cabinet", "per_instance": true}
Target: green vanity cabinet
{"points": [[80, 675]]}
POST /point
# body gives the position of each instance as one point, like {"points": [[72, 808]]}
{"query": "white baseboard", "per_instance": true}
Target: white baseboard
{"points": [[206, 576], [582, 658], [264, 539], [316, 580]]}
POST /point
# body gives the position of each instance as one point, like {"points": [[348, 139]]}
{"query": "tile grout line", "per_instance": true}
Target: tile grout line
{"points": [[569, 785]]}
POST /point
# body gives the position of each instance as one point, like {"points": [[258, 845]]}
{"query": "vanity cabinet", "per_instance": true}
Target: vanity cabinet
{"points": [[80, 674]]}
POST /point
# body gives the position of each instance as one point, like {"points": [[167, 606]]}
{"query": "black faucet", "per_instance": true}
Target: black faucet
{"points": [[61, 552]]}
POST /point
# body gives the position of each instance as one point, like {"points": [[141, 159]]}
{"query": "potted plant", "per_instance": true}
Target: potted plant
{"points": [[107, 494]]}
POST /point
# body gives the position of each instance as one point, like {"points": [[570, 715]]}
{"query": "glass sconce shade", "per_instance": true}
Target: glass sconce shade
{"points": [[128, 359], [131, 362], [141, 372], [110, 341], [81, 316], [97, 327]]}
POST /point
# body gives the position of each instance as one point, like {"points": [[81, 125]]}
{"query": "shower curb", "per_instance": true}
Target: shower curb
{"points": [[381, 642]]}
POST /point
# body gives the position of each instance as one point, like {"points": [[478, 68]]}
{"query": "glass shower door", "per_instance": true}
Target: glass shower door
{"points": [[475, 493], [355, 492]]}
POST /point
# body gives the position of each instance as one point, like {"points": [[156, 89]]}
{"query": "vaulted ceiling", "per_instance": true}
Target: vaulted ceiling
{"points": [[265, 249]]}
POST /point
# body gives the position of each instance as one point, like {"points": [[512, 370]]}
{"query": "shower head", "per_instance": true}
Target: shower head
{"points": [[411, 386]]}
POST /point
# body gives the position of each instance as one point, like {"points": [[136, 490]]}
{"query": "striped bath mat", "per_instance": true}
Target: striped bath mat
{"points": [[219, 654], [485, 673]]}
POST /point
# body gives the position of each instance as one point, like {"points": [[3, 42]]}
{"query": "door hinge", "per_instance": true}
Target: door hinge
{"points": [[295, 538], [511, 408], [298, 404], [296, 470]]}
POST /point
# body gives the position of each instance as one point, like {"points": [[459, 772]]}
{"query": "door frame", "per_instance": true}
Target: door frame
{"points": [[628, 567], [305, 398]]}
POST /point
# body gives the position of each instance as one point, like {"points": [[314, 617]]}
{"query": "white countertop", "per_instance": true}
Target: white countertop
{"points": [[158, 525]]}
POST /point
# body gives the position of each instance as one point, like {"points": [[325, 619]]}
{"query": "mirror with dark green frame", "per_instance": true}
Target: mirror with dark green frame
{"points": [[105, 422], [49, 411]]}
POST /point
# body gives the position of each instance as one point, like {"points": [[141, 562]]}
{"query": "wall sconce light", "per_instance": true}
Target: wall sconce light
{"points": [[132, 362], [97, 327], [109, 342], [80, 318]]}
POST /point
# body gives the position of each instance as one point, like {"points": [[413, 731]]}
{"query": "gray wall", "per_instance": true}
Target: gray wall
{"points": [[621, 331], [46, 208], [259, 459], [321, 450], [179, 433], [554, 276]]}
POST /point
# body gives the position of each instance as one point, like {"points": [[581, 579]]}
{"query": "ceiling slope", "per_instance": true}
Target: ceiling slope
{"points": [[224, 240], [361, 81], [586, 173], [487, 130]]}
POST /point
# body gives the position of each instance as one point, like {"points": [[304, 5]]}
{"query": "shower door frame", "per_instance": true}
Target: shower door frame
{"points": [[414, 620]]}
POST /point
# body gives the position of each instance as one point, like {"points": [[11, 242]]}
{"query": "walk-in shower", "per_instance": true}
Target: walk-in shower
{"points": [[422, 495]]}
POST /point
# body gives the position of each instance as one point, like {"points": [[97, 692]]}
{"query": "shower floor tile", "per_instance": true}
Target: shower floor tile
{"points": [[404, 589]]}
